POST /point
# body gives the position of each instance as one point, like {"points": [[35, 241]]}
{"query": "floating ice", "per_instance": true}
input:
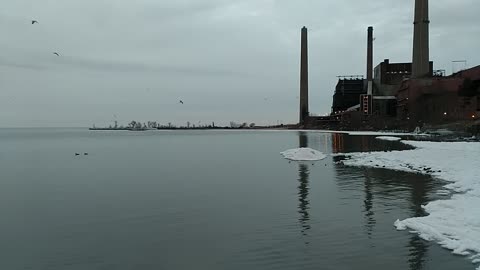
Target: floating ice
{"points": [[388, 138], [453, 223], [303, 154]]}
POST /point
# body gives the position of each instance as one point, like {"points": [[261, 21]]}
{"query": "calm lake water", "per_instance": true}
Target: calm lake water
{"points": [[204, 200]]}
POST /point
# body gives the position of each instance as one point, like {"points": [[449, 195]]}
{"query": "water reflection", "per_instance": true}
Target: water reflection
{"points": [[302, 140], [418, 249], [418, 252], [338, 144], [414, 188], [382, 189], [303, 187], [344, 143], [368, 206], [304, 204]]}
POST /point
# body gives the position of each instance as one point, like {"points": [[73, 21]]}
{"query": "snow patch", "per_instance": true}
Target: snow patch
{"points": [[454, 223], [382, 133], [398, 224], [388, 138], [303, 154], [443, 192]]}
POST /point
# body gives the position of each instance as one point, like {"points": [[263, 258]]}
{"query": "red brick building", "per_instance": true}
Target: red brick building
{"points": [[440, 100]]}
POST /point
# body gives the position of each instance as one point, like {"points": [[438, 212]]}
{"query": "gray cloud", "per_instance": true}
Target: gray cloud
{"points": [[135, 59], [67, 62]]}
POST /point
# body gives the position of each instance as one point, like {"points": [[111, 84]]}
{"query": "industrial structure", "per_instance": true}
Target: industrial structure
{"points": [[304, 113], [399, 95], [421, 53], [369, 60], [429, 98], [347, 93]]}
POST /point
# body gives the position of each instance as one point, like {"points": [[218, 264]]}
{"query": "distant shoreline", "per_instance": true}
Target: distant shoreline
{"points": [[193, 128]]}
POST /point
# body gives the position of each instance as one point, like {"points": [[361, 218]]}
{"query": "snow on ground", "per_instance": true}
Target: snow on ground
{"points": [[388, 138], [368, 133], [444, 192], [381, 133], [351, 133], [453, 223], [303, 154]]}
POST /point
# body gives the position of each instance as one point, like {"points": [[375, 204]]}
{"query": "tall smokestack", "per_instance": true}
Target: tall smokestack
{"points": [[421, 58], [370, 61], [304, 77]]}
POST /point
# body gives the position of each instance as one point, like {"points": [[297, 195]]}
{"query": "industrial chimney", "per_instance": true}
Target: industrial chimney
{"points": [[370, 61], [304, 77], [421, 59]]}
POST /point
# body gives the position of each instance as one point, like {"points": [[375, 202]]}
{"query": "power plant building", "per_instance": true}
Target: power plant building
{"points": [[398, 95], [347, 93]]}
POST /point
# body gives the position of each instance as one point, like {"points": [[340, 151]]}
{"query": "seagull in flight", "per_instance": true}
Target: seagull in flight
{"points": [[56, 54], [34, 21], [181, 102]]}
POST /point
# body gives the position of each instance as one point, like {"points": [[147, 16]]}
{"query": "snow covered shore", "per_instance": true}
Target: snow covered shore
{"points": [[453, 223]]}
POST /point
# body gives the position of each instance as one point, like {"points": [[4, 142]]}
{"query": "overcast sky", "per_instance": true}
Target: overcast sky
{"points": [[228, 60]]}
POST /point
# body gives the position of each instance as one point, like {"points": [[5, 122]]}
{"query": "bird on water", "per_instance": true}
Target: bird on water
{"points": [[34, 21], [56, 54], [181, 101]]}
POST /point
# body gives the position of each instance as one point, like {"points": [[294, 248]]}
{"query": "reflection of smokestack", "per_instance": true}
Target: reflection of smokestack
{"points": [[303, 188], [304, 77], [370, 60], [421, 59], [302, 140]]}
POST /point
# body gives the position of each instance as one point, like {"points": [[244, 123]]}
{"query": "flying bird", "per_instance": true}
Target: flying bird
{"points": [[56, 54], [181, 102], [34, 21]]}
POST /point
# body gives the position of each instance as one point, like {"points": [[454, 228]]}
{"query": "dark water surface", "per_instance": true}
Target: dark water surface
{"points": [[204, 200]]}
